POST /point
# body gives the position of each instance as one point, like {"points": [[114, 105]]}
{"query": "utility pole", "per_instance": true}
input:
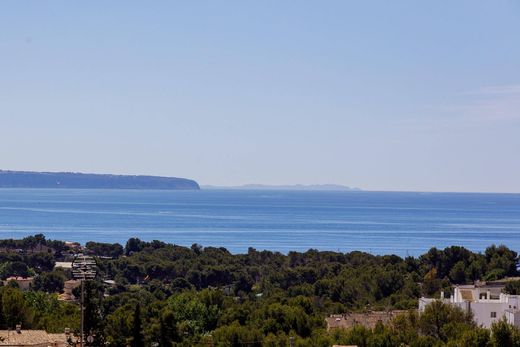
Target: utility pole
{"points": [[83, 268], [82, 309]]}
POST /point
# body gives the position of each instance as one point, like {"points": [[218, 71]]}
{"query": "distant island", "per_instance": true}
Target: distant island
{"points": [[27, 179], [312, 187]]}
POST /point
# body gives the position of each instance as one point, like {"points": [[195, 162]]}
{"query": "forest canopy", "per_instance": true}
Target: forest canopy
{"points": [[188, 296]]}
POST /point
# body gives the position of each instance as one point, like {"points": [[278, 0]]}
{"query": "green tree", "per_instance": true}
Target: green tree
{"points": [[477, 337], [14, 268], [14, 308], [137, 329], [51, 282], [134, 245], [168, 329], [50, 314], [119, 326], [512, 287], [94, 320], [502, 260], [196, 317], [504, 334], [458, 273], [105, 249], [40, 261], [235, 335], [438, 318]]}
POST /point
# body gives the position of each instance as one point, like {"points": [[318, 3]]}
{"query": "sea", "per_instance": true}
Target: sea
{"points": [[401, 223]]}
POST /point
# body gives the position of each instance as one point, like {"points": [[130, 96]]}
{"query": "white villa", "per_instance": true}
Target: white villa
{"points": [[485, 300]]}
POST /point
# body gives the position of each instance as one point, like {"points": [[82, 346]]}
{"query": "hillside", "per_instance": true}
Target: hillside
{"points": [[26, 179]]}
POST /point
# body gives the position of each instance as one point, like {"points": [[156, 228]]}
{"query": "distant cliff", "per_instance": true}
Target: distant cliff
{"points": [[25, 179]]}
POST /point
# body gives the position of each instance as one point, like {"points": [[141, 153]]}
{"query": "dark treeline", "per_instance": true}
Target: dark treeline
{"points": [[28, 179], [203, 296]]}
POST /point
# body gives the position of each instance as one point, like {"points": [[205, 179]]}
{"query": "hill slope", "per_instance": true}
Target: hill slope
{"points": [[26, 179]]}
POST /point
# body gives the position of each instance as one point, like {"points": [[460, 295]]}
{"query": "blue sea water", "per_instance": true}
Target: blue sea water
{"points": [[376, 222]]}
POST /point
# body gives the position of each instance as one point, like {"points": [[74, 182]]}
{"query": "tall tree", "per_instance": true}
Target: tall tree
{"points": [[137, 333], [14, 308], [94, 315]]}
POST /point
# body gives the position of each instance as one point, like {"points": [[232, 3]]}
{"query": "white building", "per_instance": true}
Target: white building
{"points": [[485, 300], [24, 283]]}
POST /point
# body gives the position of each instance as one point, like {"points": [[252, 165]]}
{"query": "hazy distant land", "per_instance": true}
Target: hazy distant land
{"points": [[312, 187], [27, 179]]}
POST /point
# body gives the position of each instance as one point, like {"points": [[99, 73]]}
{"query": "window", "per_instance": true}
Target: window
{"points": [[493, 315]]}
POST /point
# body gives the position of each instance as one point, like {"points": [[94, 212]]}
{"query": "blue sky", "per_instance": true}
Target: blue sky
{"points": [[400, 95]]}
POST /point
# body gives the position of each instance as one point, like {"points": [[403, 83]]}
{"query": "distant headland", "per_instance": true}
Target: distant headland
{"points": [[28, 179], [312, 187]]}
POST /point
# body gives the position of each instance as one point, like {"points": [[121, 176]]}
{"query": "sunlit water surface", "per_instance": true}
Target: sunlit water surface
{"points": [[376, 222]]}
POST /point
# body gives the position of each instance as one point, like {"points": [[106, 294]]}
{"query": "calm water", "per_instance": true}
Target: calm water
{"points": [[399, 223]]}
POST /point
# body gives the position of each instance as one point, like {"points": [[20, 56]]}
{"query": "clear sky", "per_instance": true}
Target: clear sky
{"points": [[382, 95]]}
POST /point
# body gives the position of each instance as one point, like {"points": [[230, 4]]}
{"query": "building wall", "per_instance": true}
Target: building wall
{"points": [[23, 283], [513, 302], [482, 301], [482, 312], [423, 302], [513, 318], [516, 319]]}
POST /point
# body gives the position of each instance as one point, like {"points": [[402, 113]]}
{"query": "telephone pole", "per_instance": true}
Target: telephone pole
{"points": [[83, 269]]}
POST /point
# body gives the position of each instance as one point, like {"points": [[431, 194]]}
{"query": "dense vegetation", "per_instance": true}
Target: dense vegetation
{"points": [[200, 296]]}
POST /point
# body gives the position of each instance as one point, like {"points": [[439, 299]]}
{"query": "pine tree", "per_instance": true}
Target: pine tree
{"points": [[94, 316], [137, 334]]}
